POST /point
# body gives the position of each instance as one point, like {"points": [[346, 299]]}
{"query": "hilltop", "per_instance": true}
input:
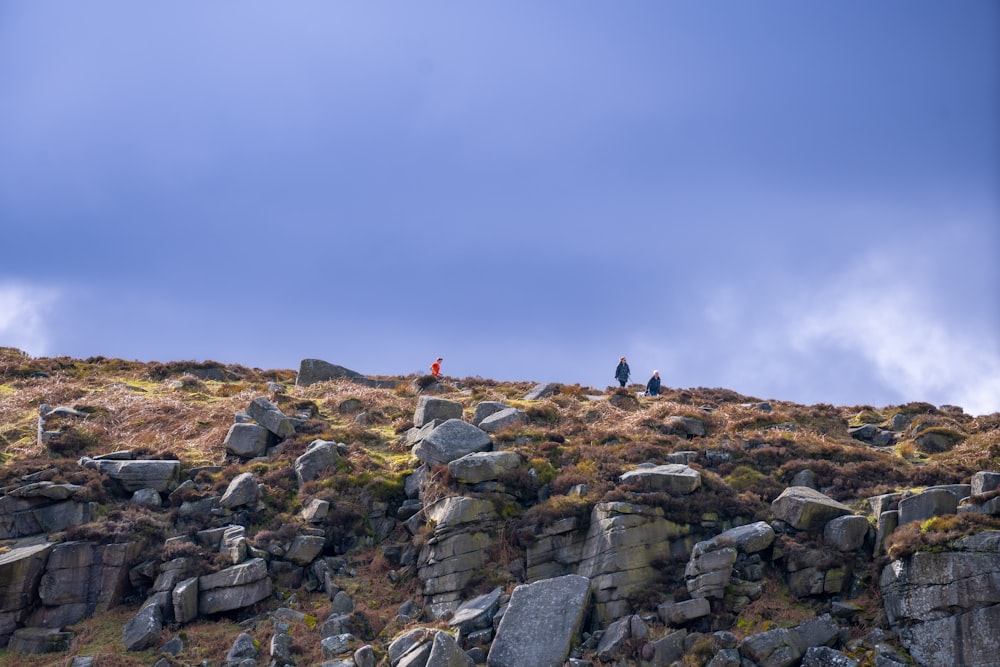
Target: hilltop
{"points": [[354, 513]]}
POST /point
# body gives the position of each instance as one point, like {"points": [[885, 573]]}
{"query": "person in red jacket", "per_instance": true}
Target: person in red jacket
{"points": [[436, 367]]}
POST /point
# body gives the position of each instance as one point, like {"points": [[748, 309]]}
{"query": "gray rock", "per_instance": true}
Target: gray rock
{"points": [[445, 652], [304, 549], [824, 656], [312, 371], [319, 456], [316, 510], [680, 613], [708, 573], [234, 587], [243, 648], [408, 641], [483, 466], [846, 533], [336, 645], [147, 498], [173, 647], [673, 478], [506, 418], [268, 415], [984, 482], [683, 457], [935, 442], [143, 631], [727, 657], [135, 475], [540, 391], [805, 478], [774, 648], [20, 571], [887, 522], [669, 648], [477, 613], [885, 503], [33, 641], [185, 600], [486, 408], [541, 623], [430, 408], [247, 441], [806, 509], [688, 426], [612, 642], [451, 440], [923, 506], [242, 490]]}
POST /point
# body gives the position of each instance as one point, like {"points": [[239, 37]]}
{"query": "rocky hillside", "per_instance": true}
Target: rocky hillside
{"points": [[201, 514]]}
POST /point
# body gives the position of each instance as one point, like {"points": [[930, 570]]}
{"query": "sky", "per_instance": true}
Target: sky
{"points": [[795, 201]]}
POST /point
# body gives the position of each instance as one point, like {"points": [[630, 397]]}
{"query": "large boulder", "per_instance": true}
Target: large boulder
{"points": [[984, 482], [247, 441], [486, 408], [674, 478], [158, 475], [143, 631], [268, 415], [312, 371], [483, 466], [930, 503], [806, 509], [20, 571], [445, 652], [506, 418], [234, 587], [846, 533], [541, 623], [946, 605], [243, 490], [320, 455], [430, 408], [451, 440]]}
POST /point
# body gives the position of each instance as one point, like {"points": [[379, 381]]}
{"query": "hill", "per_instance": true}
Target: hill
{"points": [[348, 520]]}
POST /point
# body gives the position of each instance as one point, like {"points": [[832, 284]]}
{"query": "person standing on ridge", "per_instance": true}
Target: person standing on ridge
{"points": [[622, 373], [653, 386], [436, 367]]}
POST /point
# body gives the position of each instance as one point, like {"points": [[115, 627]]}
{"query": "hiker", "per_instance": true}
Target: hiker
{"points": [[622, 373], [653, 386], [436, 367]]}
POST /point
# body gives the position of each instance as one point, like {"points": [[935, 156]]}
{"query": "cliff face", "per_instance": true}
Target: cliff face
{"points": [[360, 521]]}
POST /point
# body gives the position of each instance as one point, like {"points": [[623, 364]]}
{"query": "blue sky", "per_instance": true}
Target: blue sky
{"points": [[796, 201]]}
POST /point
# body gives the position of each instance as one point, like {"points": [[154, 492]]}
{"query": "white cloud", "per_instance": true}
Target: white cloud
{"points": [[887, 314], [24, 312]]}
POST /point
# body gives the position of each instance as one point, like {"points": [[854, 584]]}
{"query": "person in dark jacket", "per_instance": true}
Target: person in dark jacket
{"points": [[622, 373], [653, 386]]}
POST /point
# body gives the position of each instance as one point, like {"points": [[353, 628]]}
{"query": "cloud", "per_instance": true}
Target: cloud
{"points": [[24, 317], [899, 323]]}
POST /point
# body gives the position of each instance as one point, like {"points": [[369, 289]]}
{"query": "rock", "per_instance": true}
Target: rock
{"points": [[806, 509], [319, 456], [243, 490], [846, 533], [430, 408], [923, 506], [727, 657], [336, 645], [316, 510], [408, 641], [281, 650], [234, 587], [173, 647], [143, 631], [885, 503], [709, 573], [669, 648], [824, 656], [476, 613], [687, 426], [612, 642], [540, 391], [486, 408], [445, 652], [483, 466], [506, 418], [946, 605], [147, 498], [312, 371], [984, 482], [805, 478], [774, 648], [364, 657], [135, 475], [451, 440], [185, 600], [887, 522], [935, 442], [243, 648], [267, 414], [541, 623], [248, 441], [673, 478], [20, 571], [680, 613], [32, 641], [748, 539]]}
